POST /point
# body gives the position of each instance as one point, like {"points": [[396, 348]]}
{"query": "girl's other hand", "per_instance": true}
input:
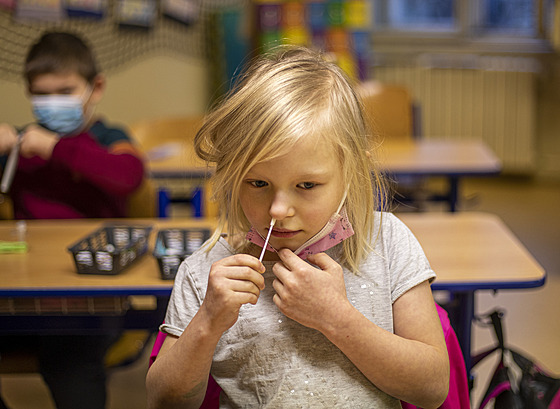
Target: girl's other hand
{"points": [[38, 141], [232, 282], [309, 295], [8, 138]]}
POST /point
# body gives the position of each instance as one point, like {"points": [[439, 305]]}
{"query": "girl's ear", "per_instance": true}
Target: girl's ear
{"points": [[368, 154], [98, 88]]}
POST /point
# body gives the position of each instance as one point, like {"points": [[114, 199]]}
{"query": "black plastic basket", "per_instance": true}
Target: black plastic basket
{"points": [[110, 249], [174, 245]]}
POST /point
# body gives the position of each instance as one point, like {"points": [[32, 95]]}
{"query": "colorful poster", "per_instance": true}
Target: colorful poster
{"points": [[340, 27], [184, 11], [42, 10]]}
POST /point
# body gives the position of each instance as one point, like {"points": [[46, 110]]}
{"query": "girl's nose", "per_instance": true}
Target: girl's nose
{"points": [[281, 206]]}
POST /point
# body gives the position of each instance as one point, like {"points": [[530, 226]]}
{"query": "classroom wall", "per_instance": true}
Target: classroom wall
{"points": [[548, 119], [176, 81], [152, 87], [151, 72]]}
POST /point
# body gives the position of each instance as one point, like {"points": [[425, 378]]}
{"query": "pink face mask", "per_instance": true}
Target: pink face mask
{"points": [[337, 229]]}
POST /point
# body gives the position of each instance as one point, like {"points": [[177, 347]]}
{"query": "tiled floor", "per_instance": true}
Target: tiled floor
{"points": [[530, 209]]}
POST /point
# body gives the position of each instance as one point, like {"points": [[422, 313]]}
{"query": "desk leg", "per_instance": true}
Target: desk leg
{"points": [[196, 201], [163, 203], [453, 193], [461, 315]]}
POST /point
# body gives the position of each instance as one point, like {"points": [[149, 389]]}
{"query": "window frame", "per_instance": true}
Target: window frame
{"points": [[467, 37]]}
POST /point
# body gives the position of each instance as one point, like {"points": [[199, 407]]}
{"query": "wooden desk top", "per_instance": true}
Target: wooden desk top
{"points": [[439, 157], [474, 251], [176, 159], [467, 250], [422, 157], [49, 267]]}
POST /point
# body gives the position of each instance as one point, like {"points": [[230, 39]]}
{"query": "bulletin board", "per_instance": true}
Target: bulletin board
{"points": [[119, 31]]}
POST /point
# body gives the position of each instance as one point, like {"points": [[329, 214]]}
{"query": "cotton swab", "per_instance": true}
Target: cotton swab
{"points": [[11, 165], [267, 238]]}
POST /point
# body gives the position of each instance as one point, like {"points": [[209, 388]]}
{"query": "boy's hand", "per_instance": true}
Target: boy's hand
{"points": [[309, 295], [37, 141], [8, 138], [233, 281]]}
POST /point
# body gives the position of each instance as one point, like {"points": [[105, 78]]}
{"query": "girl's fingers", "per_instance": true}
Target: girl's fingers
{"points": [[240, 267], [239, 274], [244, 286], [243, 260]]}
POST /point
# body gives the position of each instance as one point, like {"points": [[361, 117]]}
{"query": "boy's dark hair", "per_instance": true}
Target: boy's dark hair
{"points": [[60, 52]]}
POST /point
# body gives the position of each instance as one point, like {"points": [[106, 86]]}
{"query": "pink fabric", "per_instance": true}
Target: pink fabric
{"points": [[457, 398], [212, 397], [157, 346], [555, 402]]}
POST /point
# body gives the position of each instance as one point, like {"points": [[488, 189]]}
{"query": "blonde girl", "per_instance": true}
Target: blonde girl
{"points": [[339, 313]]}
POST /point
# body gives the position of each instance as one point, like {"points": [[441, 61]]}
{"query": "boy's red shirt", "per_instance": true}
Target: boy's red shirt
{"points": [[84, 178]]}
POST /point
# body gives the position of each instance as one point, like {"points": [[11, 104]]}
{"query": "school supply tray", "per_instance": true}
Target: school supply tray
{"points": [[110, 249], [174, 245]]}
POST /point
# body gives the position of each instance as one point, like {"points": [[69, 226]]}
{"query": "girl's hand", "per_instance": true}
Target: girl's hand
{"points": [[311, 296], [37, 141], [8, 138], [232, 282]]}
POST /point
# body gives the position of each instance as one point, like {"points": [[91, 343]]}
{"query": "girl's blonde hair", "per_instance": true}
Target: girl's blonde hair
{"points": [[283, 96]]}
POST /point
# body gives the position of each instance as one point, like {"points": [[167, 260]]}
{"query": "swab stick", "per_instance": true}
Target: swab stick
{"points": [[267, 238]]}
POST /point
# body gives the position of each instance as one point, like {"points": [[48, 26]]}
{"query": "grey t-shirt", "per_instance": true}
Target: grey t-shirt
{"points": [[268, 360]]}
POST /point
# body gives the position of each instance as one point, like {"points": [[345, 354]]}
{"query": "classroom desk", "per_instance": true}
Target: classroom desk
{"points": [[452, 159], [468, 251], [471, 252], [177, 160], [47, 271]]}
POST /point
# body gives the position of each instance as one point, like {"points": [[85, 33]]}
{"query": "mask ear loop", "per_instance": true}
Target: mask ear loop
{"points": [[343, 200], [323, 232], [88, 113]]}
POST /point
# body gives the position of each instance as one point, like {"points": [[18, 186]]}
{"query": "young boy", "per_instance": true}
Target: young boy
{"points": [[71, 165]]}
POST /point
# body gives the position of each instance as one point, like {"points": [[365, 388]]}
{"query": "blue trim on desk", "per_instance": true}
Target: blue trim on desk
{"points": [[464, 173], [164, 292], [88, 292], [497, 285]]}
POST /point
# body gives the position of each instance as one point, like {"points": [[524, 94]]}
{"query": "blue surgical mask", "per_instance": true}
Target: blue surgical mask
{"points": [[63, 114]]}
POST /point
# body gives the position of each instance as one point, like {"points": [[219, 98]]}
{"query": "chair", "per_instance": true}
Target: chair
{"points": [[457, 398], [157, 137], [390, 110], [142, 203], [6, 210], [394, 116]]}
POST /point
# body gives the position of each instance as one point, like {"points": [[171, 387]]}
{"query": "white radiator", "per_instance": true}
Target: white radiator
{"points": [[490, 99]]}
